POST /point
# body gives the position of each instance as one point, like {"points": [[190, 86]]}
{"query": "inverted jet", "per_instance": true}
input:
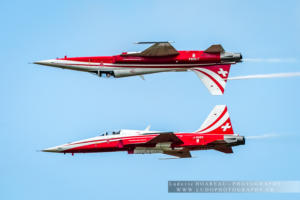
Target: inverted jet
{"points": [[212, 65]]}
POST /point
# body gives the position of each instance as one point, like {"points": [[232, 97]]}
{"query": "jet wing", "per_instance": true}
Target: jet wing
{"points": [[224, 149], [179, 154], [165, 137], [214, 77], [158, 49]]}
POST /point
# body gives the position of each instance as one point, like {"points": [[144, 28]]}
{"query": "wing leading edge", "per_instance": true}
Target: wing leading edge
{"points": [[156, 50], [165, 137], [173, 139]]}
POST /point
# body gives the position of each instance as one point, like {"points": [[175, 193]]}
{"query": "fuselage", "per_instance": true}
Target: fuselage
{"points": [[215, 133], [128, 64], [136, 141]]}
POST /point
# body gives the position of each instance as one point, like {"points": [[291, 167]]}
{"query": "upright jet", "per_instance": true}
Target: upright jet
{"points": [[215, 133], [211, 65]]}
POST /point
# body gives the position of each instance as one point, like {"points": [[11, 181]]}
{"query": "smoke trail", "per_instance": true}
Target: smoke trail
{"points": [[271, 60], [265, 136], [256, 76]]}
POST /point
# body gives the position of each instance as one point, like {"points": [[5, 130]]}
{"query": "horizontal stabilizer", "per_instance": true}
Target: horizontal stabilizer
{"points": [[179, 154], [216, 48], [224, 149]]}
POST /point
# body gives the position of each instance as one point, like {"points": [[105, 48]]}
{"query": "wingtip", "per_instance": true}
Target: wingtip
{"points": [[153, 42]]}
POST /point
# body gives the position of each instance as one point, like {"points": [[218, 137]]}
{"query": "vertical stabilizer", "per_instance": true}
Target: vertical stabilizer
{"points": [[217, 122]]}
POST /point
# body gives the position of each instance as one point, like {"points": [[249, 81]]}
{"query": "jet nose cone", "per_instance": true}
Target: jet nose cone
{"points": [[45, 62], [53, 149]]}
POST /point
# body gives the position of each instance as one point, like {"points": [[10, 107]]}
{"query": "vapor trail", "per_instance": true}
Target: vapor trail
{"points": [[265, 136], [270, 60], [256, 76]]}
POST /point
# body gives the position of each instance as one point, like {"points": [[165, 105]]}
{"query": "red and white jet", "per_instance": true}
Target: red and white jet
{"points": [[215, 133], [211, 65]]}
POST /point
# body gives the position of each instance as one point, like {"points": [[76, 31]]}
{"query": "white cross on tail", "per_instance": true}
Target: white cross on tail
{"points": [[222, 72], [226, 126]]}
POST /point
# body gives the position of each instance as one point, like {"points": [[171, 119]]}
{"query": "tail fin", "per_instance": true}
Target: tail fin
{"points": [[214, 77], [217, 122]]}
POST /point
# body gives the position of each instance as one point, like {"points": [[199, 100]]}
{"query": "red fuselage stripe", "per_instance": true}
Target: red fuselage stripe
{"points": [[145, 66]]}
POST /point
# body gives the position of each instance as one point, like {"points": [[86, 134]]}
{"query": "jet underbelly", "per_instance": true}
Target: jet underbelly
{"points": [[118, 73]]}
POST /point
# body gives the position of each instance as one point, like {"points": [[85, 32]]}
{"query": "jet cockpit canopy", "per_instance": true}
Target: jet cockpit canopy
{"points": [[110, 133]]}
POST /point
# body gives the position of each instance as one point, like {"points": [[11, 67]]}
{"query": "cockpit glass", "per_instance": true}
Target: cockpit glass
{"points": [[110, 133]]}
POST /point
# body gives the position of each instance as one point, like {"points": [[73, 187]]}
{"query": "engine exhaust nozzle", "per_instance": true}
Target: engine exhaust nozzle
{"points": [[231, 57], [234, 140]]}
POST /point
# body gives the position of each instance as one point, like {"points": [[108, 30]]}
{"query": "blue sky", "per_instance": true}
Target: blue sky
{"points": [[43, 107]]}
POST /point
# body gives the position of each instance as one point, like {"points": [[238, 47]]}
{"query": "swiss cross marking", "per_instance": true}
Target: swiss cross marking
{"points": [[222, 72], [226, 126]]}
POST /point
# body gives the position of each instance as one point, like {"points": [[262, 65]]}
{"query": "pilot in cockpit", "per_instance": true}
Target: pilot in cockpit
{"points": [[113, 133]]}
